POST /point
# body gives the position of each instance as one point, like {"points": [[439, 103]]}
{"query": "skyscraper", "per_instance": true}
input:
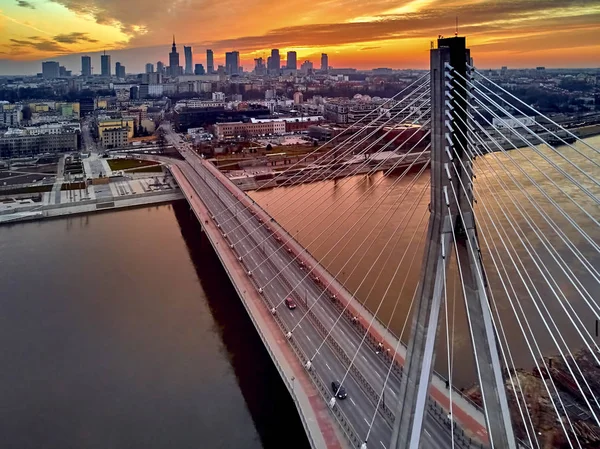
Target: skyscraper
{"points": [[275, 62], [86, 66], [105, 64], [232, 62], [189, 60], [149, 68], [119, 70], [324, 62], [50, 69], [174, 60], [210, 63], [160, 67], [291, 61]]}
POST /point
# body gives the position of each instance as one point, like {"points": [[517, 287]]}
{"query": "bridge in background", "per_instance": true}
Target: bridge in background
{"points": [[330, 336]]}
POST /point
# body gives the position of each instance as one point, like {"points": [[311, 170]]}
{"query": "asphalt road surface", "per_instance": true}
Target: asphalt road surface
{"points": [[272, 266]]}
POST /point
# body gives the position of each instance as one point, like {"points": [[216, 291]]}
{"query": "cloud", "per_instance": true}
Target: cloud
{"points": [[73, 38], [39, 44], [353, 26], [480, 19], [25, 4]]}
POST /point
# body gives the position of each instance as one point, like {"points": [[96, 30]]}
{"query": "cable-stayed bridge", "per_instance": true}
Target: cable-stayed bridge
{"points": [[519, 242]]}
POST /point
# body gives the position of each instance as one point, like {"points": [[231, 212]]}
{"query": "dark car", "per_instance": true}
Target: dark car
{"points": [[338, 390], [289, 302]]}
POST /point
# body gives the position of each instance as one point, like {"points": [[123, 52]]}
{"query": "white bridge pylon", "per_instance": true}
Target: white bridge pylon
{"points": [[451, 228]]}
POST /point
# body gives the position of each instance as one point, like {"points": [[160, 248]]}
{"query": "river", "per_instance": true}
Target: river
{"points": [[369, 232], [122, 330]]}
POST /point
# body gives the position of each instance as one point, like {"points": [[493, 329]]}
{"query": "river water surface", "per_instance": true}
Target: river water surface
{"points": [[121, 330]]}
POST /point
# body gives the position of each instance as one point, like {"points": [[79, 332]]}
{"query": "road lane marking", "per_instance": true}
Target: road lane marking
{"points": [[382, 445], [327, 366], [378, 375], [308, 338], [366, 421], [428, 434], [364, 357], [352, 400]]}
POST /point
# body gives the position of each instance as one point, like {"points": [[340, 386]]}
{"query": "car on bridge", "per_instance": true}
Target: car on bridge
{"points": [[338, 390], [289, 302]]}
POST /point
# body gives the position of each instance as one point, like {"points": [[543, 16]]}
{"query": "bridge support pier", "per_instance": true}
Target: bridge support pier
{"points": [[451, 220]]}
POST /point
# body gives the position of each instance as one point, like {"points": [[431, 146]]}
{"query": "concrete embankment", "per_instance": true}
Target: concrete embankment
{"points": [[38, 212]]}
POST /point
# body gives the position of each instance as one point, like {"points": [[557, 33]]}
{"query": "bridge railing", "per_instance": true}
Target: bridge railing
{"points": [[359, 326], [437, 412], [279, 368], [339, 415]]}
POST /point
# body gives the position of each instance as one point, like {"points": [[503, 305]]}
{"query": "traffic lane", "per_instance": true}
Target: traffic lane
{"points": [[325, 361], [366, 352], [366, 359], [282, 290], [358, 404], [357, 407]]}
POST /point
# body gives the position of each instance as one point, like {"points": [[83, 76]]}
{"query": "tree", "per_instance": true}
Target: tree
{"points": [[269, 147]]}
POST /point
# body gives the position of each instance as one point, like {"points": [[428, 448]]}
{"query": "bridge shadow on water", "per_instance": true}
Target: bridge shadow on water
{"points": [[270, 405]]}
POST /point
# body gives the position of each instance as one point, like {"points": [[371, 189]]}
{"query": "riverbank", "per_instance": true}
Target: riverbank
{"points": [[540, 404], [34, 211]]}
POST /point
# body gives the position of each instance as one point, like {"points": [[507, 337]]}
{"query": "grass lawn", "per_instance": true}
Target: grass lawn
{"points": [[124, 164]]}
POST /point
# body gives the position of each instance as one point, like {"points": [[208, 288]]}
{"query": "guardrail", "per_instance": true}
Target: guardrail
{"points": [[336, 412], [358, 326]]}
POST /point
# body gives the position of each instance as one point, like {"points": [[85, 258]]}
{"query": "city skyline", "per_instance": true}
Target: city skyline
{"points": [[521, 33]]}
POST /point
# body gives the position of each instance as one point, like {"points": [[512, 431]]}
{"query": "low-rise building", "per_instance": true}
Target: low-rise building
{"points": [[293, 124], [20, 144], [106, 123], [10, 115], [114, 137], [252, 129]]}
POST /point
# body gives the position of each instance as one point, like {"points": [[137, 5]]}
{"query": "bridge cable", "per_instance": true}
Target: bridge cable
{"points": [[548, 246], [316, 188], [533, 147], [537, 113], [464, 189], [359, 167], [537, 151], [550, 283], [364, 195], [365, 214], [538, 187], [478, 273], [589, 267], [366, 127], [354, 146]]}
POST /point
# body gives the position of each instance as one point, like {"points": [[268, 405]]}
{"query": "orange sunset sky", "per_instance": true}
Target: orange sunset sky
{"points": [[355, 33]]}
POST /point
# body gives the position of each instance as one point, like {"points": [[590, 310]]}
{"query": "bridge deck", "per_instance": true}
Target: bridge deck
{"points": [[466, 413], [366, 372], [320, 428]]}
